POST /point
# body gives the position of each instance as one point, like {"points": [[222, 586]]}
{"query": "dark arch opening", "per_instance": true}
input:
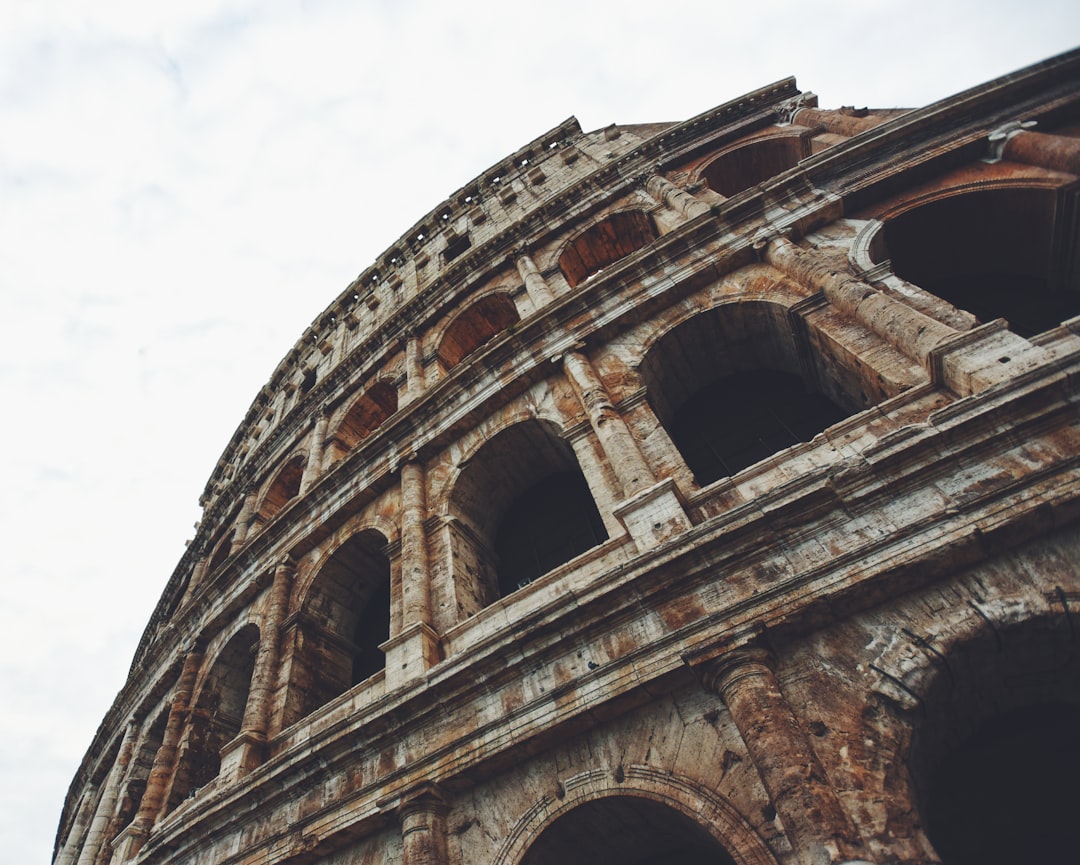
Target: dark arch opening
{"points": [[605, 243], [525, 473], [1000, 253], [727, 387], [284, 488], [486, 318], [218, 714], [753, 163], [345, 618], [630, 830], [366, 414], [549, 524], [744, 418], [1009, 794]]}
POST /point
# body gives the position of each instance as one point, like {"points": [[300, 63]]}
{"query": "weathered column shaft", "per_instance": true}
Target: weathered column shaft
{"points": [[97, 836], [83, 815], [622, 451], [535, 285], [1056, 152], [666, 193], [264, 675], [165, 759], [415, 572], [423, 831], [414, 368], [811, 812], [910, 331], [836, 121], [243, 521], [313, 468]]}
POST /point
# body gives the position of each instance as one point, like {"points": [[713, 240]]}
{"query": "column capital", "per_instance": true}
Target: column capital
{"points": [[720, 674]]}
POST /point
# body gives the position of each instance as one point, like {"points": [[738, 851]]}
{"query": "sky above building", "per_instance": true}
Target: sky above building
{"points": [[184, 187]]}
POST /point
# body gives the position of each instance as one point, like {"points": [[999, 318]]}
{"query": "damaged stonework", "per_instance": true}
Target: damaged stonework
{"points": [[695, 492]]}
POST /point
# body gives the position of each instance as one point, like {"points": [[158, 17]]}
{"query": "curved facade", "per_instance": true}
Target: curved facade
{"points": [[683, 493]]}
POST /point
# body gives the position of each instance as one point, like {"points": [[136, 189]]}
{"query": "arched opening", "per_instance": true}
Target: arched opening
{"points": [[743, 418], [753, 163], [995, 759], [605, 243], [1009, 794], [344, 619], [727, 387], [630, 830], [220, 553], [217, 715], [284, 488], [1000, 253], [473, 327], [522, 508], [142, 761], [365, 415]]}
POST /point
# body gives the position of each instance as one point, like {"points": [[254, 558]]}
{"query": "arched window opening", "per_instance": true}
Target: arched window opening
{"points": [[744, 418], [753, 163], [631, 830], [345, 618], [549, 524], [727, 387], [218, 713], [220, 554], [511, 504], [1000, 253], [605, 243], [142, 761], [285, 487], [366, 414], [1009, 794], [486, 318]]}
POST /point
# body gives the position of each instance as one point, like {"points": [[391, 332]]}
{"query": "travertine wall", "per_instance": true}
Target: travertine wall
{"points": [[766, 668]]}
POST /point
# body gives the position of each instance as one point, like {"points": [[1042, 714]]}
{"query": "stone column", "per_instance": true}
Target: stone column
{"points": [[153, 798], [313, 468], [96, 837], [666, 193], [416, 647], [423, 827], [813, 818], [243, 520], [246, 751], [83, 815], [910, 331], [651, 512], [1056, 152], [836, 121], [535, 285], [618, 442], [414, 368]]}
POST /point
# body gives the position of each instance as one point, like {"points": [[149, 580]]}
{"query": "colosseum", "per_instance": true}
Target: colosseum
{"points": [[681, 493]]}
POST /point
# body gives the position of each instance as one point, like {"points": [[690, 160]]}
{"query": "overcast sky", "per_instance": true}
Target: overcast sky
{"points": [[184, 186]]}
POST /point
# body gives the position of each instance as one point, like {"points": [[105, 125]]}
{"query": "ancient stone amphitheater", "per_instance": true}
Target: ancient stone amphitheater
{"points": [[684, 493]]}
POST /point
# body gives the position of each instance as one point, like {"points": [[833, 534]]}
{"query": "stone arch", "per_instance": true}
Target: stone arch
{"points": [[142, 762], [605, 242], [486, 317], [282, 488], [730, 387], [997, 250], [220, 552], [364, 415], [217, 713], [750, 162], [343, 617], [520, 506], [993, 684], [712, 815]]}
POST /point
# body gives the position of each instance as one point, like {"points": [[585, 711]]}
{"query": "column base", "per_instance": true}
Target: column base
{"points": [[241, 755], [409, 654], [653, 515]]}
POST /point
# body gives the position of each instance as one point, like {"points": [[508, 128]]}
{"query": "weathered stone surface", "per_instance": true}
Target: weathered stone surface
{"points": [[722, 631]]}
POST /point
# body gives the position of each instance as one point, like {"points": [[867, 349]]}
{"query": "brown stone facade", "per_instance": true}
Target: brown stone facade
{"points": [[683, 493]]}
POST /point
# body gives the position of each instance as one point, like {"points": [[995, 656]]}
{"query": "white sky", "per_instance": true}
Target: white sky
{"points": [[184, 186]]}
